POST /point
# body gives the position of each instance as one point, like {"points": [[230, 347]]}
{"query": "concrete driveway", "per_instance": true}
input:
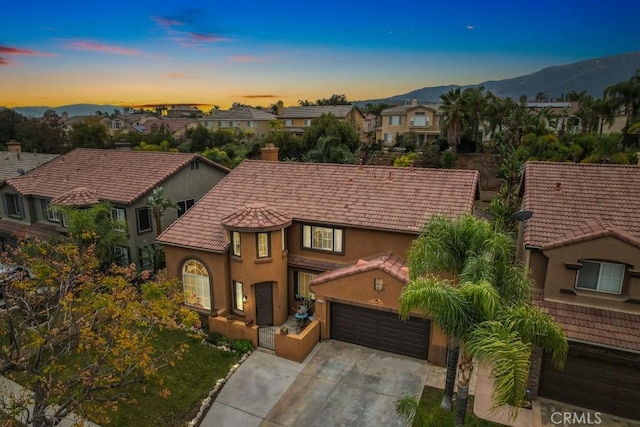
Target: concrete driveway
{"points": [[339, 384]]}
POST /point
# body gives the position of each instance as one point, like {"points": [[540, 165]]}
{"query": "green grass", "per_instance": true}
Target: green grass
{"points": [[189, 381], [431, 398]]}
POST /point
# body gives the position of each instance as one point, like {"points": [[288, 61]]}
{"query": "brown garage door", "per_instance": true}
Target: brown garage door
{"points": [[601, 379], [380, 330]]}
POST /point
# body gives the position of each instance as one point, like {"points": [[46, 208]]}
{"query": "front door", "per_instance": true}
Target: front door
{"points": [[264, 303]]}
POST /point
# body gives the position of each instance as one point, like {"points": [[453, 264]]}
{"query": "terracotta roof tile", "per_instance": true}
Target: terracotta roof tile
{"points": [[313, 111], [37, 229], [78, 197], [376, 197], [116, 176], [311, 264], [566, 199], [595, 325], [256, 216], [389, 263]]}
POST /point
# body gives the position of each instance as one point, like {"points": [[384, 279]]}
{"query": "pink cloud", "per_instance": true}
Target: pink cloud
{"points": [[4, 61], [100, 47], [176, 75], [7, 50], [166, 22]]}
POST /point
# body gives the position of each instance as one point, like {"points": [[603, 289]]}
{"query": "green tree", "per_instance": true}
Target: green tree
{"points": [[201, 138], [82, 337], [9, 122], [377, 108], [95, 228], [454, 117], [90, 133], [492, 330], [37, 136], [330, 125], [290, 145], [217, 155], [159, 205], [329, 150], [626, 95], [160, 132]]}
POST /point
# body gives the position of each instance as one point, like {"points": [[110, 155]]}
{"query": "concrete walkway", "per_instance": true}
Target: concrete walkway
{"points": [[339, 384], [10, 391]]}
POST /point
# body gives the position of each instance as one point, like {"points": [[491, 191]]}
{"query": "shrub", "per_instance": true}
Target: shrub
{"points": [[448, 159], [241, 346], [620, 159], [216, 338]]}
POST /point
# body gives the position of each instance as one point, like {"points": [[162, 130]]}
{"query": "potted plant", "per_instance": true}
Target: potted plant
{"points": [[284, 330]]}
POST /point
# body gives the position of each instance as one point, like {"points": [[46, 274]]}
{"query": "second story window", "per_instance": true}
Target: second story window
{"points": [[307, 122], [13, 205], [235, 243], [184, 206], [119, 216], [49, 212], [288, 122], [251, 124], [395, 120], [419, 119], [601, 276], [264, 250], [144, 220], [322, 238]]}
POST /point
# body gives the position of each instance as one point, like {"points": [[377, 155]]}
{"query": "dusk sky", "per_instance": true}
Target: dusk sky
{"points": [[257, 52]]}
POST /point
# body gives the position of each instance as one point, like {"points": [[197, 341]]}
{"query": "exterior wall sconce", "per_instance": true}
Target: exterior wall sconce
{"points": [[244, 298], [378, 284]]}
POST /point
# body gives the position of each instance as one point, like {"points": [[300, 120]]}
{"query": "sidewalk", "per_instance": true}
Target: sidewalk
{"points": [[10, 390]]}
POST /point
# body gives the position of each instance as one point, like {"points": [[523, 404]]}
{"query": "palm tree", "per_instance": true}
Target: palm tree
{"points": [[490, 331], [465, 248], [328, 149], [159, 204], [476, 100], [626, 94], [454, 117]]}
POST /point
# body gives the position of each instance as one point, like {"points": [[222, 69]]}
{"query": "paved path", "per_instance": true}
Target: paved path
{"points": [[339, 384]]}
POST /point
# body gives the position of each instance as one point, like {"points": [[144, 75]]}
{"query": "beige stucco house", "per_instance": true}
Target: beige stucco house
{"points": [[422, 120]]}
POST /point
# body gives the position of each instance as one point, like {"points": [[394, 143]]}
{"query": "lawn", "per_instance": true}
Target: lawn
{"points": [[189, 381], [431, 398]]}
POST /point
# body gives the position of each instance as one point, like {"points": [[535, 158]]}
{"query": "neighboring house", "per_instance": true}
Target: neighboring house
{"points": [[296, 119], [125, 179], [253, 122], [184, 111], [177, 126], [562, 114], [14, 162], [423, 120], [582, 245], [273, 234]]}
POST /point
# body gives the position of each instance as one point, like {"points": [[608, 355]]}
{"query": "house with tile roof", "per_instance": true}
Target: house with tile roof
{"points": [[253, 122], [414, 118], [125, 179], [296, 119], [582, 245], [275, 237], [14, 162]]}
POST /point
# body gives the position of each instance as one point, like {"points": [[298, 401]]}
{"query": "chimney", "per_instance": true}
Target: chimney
{"points": [[13, 146], [280, 108], [123, 145], [414, 102], [270, 152]]}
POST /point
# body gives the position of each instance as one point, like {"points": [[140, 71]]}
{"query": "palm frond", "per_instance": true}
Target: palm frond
{"points": [[483, 297], [412, 410], [514, 283], [436, 297], [491, 344], [538, 328]]}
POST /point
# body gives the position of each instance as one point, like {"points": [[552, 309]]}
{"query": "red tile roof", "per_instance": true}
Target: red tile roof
{"points": [[311, 264], [78, 197], [590, 230], [595, 325], [38, 229], [256, 216], [116, 176], [389, 263], [376, 197], [566, 198]]}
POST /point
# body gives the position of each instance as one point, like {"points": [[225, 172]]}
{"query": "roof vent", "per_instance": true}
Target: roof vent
{"points": [[558, 186], [21, 171]]}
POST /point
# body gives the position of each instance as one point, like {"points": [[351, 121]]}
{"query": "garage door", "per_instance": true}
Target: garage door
{"points": [[380, 330], [596, 378]]}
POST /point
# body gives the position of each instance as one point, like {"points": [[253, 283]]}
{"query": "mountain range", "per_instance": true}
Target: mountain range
{"points": [[591, 75]]}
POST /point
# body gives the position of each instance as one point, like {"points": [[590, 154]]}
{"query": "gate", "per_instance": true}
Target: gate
{"points": [[266, 337]]}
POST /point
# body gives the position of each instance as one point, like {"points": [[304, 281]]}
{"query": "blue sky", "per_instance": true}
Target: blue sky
{"points": [[256, 52]]}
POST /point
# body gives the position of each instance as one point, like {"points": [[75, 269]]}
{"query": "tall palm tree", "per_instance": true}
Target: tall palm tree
{"points": [[159, 205], [465, 248], [626, 94], [454, 117], [490, 331]]}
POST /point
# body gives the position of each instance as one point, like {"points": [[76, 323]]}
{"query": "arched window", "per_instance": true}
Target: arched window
{"points": [[195, 280]]}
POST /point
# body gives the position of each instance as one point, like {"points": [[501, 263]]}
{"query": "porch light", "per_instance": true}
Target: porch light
{"points": [[378, 284], [244, 298]]}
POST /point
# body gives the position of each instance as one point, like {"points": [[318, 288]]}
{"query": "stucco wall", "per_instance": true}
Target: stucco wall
{"points": [[610, 249]]}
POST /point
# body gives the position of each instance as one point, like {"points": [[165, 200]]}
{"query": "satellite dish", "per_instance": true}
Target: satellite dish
{"points": [[21, 171], [521, 215]]}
